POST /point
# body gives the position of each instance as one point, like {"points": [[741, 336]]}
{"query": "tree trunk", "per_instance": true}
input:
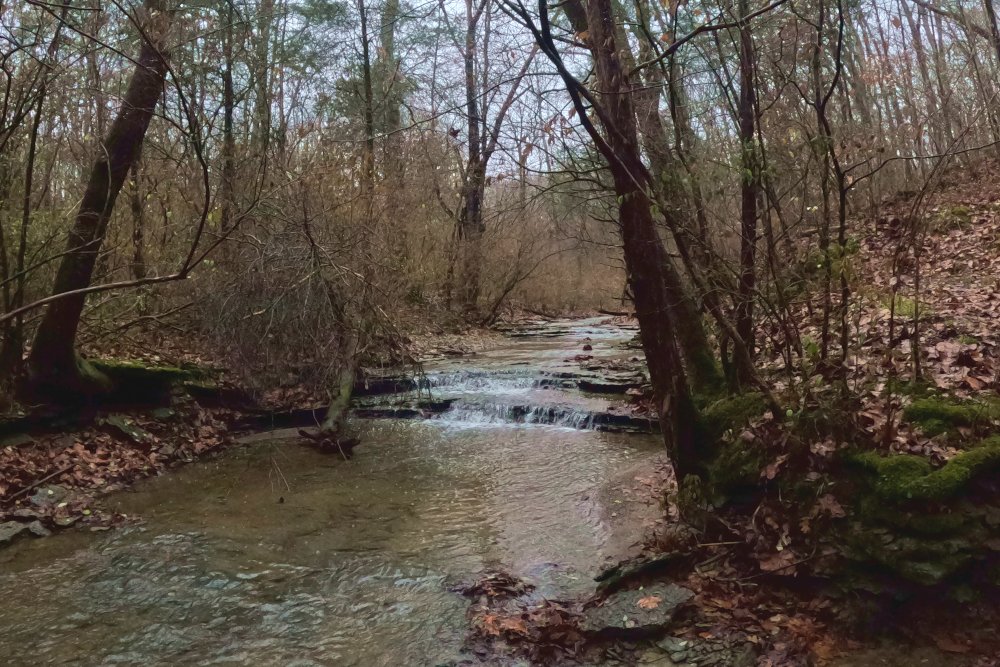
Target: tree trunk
{"points": [[55, 370], [262, 79], [749, 192], [228, 185], [470, 221], [667, 189], [368, 166], [643, 248], [393, 161]]}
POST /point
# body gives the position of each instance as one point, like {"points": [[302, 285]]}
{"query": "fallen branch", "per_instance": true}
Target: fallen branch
{"points": [[39, 482]]}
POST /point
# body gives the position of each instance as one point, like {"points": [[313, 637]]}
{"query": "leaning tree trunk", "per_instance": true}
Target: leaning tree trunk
{"points": [[643, 248], [54, 368]]}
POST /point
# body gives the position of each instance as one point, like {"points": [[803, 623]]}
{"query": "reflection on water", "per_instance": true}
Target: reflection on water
{"points": [[276, 554]]}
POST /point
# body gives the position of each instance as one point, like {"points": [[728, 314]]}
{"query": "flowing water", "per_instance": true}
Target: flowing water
{"points": [[274, 554]]}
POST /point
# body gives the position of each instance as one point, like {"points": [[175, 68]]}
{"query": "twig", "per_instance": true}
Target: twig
{"points": [[337, 442], [280, 474], [40, 481]]}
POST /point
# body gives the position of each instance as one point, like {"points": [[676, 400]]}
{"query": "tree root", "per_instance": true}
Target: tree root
{"points": [[331, 442]]}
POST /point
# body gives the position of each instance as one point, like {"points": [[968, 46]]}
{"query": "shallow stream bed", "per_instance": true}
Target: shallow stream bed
{"points": [[274, 554]]}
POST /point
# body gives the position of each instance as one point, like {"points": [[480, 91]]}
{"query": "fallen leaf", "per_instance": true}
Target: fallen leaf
{"points": [[950, 645], [649, 602]]}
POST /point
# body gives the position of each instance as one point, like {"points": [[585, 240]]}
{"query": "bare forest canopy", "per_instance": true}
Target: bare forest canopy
{"points": [[294, 182]]}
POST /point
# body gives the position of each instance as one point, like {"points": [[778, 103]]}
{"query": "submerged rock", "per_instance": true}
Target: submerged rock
{"points": [[645, 612], [610, 384]]}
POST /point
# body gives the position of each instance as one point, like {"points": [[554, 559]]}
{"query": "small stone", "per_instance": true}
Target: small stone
{"points": [[672, 644], [163, 413], [49, 495]]}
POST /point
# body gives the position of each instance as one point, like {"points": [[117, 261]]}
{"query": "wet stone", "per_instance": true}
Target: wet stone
{"points": [[38, 530], [636, 613], [11, 529], [708, 653], [126, 428], [163, 413]]}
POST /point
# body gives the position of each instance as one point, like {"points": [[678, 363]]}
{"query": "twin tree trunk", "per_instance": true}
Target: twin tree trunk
{"points": [[655, 291], [54, 368]]}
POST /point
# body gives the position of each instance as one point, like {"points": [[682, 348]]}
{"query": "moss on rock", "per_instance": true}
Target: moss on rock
{"points": [[923, 561], [904, 478], [735, 470], [872, 510], [138, 382], [124, 370], [732, 412]]}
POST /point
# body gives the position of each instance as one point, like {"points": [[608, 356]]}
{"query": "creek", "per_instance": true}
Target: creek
{"points": [[272, 553]]}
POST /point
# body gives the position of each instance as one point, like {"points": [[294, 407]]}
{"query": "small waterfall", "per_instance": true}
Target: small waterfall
{"points": [[479, 381], [493, 382], [544, 381], [462, 413]]}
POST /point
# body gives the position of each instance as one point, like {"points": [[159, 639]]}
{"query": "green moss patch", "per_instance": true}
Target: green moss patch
{"points": [[921, 561], [732, 412], [904, 478], [137, 382], [904, 307], [123, 370], [954, 217], [735, 470], [936, 416]]}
